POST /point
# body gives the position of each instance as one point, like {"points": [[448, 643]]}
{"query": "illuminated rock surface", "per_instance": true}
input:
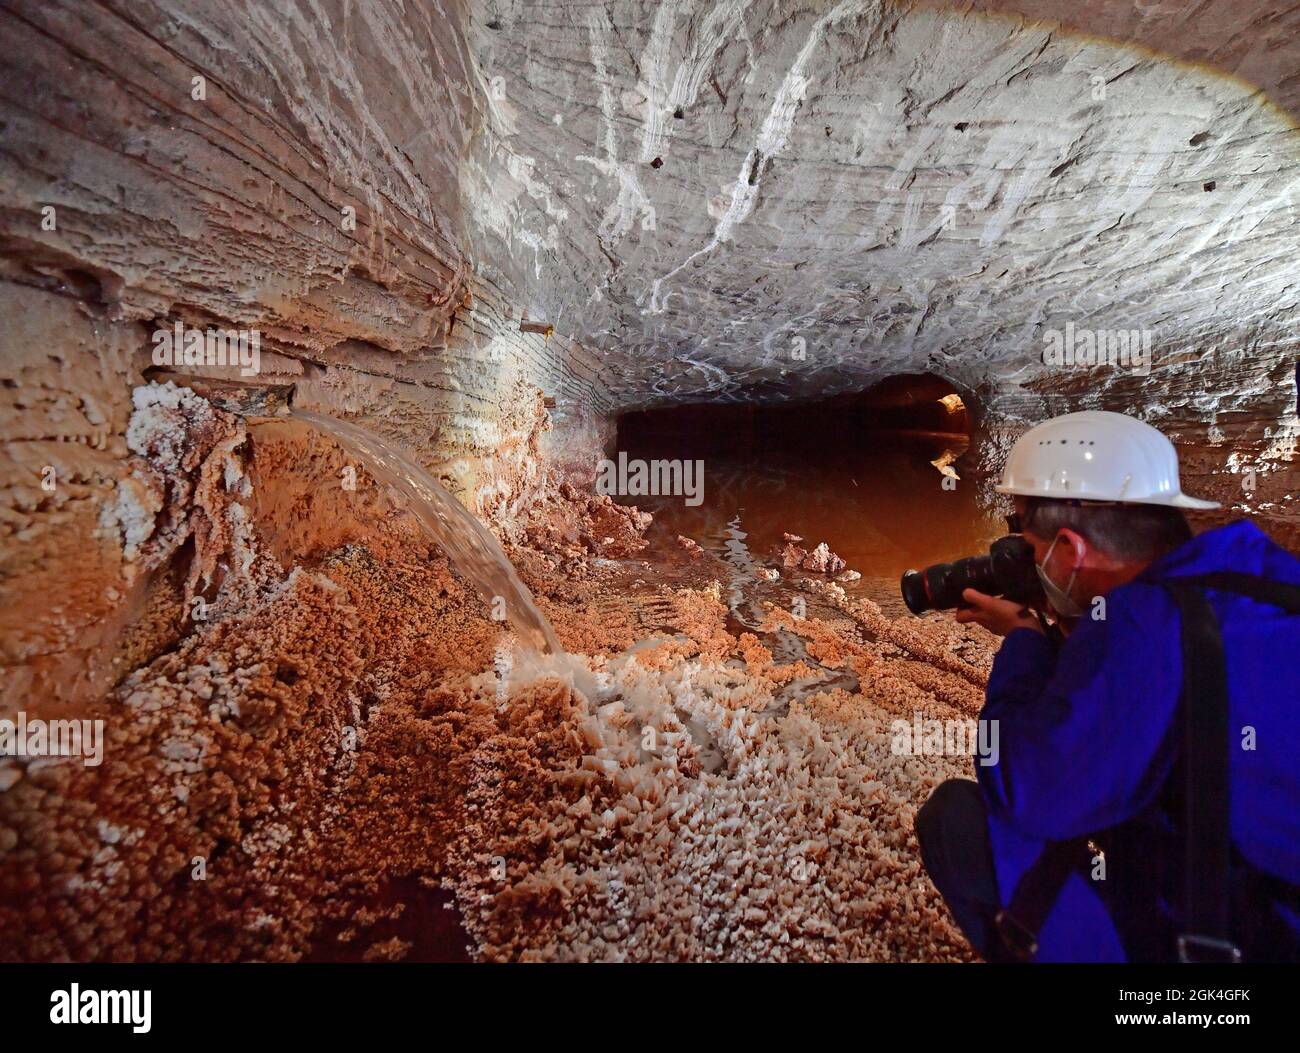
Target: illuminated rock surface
{"points": [[481, 231]]}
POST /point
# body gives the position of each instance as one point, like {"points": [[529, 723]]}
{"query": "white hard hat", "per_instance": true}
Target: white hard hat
{"points": [[1096, 456]]}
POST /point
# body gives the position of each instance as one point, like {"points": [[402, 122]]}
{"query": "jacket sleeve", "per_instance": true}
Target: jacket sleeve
{"points": [[1022, 669], [1085, 742]]}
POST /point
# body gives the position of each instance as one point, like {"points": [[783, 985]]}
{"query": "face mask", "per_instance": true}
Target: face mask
{"points": [[1060, 599]]}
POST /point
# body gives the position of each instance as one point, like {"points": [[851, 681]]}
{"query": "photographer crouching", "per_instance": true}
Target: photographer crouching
{"points": [[1146, 802]]}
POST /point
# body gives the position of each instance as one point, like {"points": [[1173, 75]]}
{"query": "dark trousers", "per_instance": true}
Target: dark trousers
{"points": [[952, 828]]}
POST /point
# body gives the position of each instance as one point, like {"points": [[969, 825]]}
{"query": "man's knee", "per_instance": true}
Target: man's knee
{"points": [[952, 828], [954, 804]]}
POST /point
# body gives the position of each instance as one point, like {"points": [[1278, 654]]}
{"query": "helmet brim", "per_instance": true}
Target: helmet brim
{"points": [[1183, 501], [1174, 501]]}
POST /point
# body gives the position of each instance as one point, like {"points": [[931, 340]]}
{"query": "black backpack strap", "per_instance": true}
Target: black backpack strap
{"points": [[1207, 878], [1264, 590]]}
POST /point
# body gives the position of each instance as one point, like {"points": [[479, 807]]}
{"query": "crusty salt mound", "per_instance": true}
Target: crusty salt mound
{"points": [[341, 756]]}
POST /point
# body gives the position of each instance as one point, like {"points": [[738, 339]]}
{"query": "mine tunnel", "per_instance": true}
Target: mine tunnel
{"points": [[861, 471], [459, 463]]}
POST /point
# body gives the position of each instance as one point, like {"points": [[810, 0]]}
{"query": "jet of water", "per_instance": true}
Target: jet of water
{"points": [[472, 549]]}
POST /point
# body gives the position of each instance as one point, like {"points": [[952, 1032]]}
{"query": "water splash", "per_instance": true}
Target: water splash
{"points": [[472, 549]]}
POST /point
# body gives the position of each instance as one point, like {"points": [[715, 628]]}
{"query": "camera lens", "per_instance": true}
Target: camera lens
{"points": [[1008, 571], [914, 594], [977, 573]]}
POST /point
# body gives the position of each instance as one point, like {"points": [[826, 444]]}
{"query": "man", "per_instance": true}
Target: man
{"points": [[1112, 828]]}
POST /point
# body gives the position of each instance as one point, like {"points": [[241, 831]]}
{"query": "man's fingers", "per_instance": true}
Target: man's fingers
{"points": [[996, 614], [979, 599]]}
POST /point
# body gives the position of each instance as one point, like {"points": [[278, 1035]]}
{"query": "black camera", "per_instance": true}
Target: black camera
{"points": [[1008, 570]]}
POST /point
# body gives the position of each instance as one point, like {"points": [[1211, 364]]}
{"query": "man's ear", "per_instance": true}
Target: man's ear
{"points": [[1074, 543]]}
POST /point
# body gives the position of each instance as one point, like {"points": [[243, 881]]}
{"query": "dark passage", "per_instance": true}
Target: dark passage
{"points": [[861, 472]]}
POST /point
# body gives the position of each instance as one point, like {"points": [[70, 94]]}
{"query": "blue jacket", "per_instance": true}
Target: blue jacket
{"points": [[1088, 734]]}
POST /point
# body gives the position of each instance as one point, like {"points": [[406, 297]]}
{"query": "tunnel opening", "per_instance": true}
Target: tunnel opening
{"points": [[875, 474], [917, 409]]}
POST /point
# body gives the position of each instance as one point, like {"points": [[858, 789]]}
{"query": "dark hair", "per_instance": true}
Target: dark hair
{"points": [[1131, 532]]}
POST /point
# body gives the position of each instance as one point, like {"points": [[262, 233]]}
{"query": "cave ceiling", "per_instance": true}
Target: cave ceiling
{"points": [[735, 199]]}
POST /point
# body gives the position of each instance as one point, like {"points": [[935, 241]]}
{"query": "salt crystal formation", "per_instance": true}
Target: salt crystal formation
{"points": [[798, 847], [691, 546], [820, 560], [185, 461], [339, 726]]}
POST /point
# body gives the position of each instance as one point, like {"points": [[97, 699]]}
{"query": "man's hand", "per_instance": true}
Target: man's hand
{"points": [[996, 614]]}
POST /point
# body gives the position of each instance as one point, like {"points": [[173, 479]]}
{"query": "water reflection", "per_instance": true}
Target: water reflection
{"points": [[883, 509]]}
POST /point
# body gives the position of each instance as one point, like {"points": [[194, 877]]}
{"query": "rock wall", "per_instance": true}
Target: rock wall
{"points": [[303, 171]]}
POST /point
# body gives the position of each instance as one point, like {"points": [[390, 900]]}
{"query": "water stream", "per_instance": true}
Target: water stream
{"points": [[474, 552]]}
